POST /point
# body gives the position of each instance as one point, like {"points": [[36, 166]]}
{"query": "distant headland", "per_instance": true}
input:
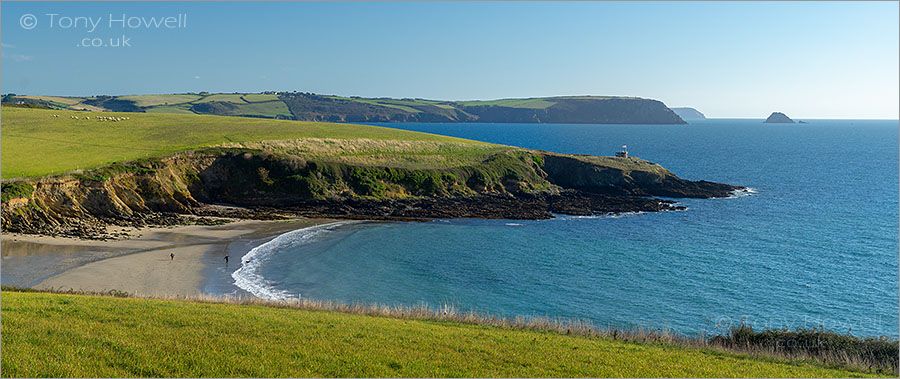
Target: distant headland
{"points": [[305, 106], [688, 113]]}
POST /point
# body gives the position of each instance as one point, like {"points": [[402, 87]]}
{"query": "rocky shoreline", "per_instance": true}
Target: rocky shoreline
{"points": [[211, 187], [531, 207]]}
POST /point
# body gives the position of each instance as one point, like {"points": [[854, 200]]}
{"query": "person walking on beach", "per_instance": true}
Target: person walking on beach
{"points": [[172, 256], [226, 260]]}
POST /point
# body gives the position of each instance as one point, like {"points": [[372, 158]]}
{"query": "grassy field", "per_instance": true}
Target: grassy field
{"points": [[178, 109], [367, 152], [402, 104], [34, 143], [86, 107], [54, 335], [625, 164], [57, 99], [512, 103], [226, 97], [411, 102], [596, 97], [258, 97], [266, 109], [153, 100], [388, 104]]}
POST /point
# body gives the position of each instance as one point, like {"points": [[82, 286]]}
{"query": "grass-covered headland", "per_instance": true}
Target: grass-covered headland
{"points": [[73, 173], [314, 107], [67, 335]]}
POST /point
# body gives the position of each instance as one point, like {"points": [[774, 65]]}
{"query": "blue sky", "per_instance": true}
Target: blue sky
{"points": [[727, 59]]}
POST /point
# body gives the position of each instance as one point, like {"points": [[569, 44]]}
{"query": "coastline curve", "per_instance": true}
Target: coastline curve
{"points": [[247, 276]]}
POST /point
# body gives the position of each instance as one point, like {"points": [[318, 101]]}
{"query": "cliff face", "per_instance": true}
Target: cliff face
{"points": [[310, 107], [582, 111], [639, 178], [510, 184]]}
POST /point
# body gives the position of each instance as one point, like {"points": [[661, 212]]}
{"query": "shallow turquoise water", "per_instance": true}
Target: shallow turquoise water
{"points": [[817, 244]]}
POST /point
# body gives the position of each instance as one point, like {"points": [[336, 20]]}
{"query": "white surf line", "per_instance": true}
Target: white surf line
{"points": [[247, 276]]}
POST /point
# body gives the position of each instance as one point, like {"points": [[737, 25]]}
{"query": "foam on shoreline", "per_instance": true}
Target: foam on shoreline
{"points": [[247, 276], [738, 193]]}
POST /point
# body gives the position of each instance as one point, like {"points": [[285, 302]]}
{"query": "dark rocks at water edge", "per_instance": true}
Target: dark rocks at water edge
{"points": [[778, 118], [528, 207], [535, 207], [688, 113], [183, 189]]}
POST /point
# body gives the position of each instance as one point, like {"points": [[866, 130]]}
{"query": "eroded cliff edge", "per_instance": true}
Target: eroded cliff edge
{"points": [[511, 183]]}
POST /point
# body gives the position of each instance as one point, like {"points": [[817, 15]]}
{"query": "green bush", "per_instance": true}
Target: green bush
{"points": [[15, 190], [880, 353]]}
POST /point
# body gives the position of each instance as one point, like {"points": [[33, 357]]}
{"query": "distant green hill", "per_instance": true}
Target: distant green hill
{"points": [[314, 107]]}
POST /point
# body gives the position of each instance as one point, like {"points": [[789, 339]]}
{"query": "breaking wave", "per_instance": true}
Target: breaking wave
{"points": [[746, 191], [248, 278]]}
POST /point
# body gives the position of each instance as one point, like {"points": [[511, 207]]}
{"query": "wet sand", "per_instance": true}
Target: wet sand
{"points": [[141, 264]]}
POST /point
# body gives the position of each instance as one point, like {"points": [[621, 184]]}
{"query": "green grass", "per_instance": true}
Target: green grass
{"points": [[377, 102], [414, 155], [588, 97], [402, 104], [58, 104], [512, 103], [87, 107], [15, 190], [56, 99], [625, 164], [266, 109], [257, 97], [178, 109], [153, 100], [389, 105], [54, 335], [65, 144], [410, 102], [226, 97]]}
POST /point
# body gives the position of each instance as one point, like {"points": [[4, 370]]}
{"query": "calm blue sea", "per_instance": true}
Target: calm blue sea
{"points": [[816, 245]]}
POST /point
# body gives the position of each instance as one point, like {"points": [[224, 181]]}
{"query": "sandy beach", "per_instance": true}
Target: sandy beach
{"points": [[140, 264]]}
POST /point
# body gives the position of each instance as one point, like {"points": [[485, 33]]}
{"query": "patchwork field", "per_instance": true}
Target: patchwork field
{"points": [[178, 109], [511, 103], [269, 109], [257, 97], [226, 97], [57, 99], [153, 100], [313, 107]]}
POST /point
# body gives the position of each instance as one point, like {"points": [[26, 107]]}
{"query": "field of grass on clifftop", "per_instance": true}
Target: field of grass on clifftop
{"points": [[55, 335], [35, 143]]}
